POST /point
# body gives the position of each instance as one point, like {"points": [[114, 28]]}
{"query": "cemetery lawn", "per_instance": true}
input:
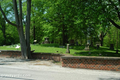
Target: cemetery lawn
{"points": [[74, 50]]}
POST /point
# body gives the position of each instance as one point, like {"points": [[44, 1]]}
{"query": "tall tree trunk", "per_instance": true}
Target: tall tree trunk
{"points": [[64, 35], [34, 31], [101, 38], [25, 44], [28, 28], [34, 38], [22, 42], [4, 35], [91, 42], [4, 30], [117, 42], [101, 41], [20, 28]]}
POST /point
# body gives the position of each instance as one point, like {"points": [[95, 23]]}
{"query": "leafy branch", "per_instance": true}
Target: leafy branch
{"points": [[6, 17]]}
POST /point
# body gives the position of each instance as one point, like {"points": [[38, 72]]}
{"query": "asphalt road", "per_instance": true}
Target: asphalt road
{"points": [[12, 69]]}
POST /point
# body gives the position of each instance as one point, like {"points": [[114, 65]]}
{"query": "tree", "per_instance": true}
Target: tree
{"points": [[37, 20], [103, 11], [103, 32], [3, 28], [25, 42], [61, 15]]}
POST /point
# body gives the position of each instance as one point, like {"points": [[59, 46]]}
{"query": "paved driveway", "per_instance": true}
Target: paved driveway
{"points": [[18, 69]]}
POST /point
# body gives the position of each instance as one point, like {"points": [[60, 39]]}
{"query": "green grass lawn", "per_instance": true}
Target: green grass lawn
{"points": [[74, 50]]}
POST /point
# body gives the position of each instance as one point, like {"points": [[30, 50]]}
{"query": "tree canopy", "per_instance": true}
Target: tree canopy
{"points": [[63, 21]]}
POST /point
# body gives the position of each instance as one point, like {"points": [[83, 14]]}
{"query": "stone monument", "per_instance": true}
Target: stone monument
{"points": [[46, 40], [67, 51], [87, 45]]}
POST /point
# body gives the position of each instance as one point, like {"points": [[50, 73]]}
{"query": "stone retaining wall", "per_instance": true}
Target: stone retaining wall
{"points": [[10, 53], [48, 56], [98, 63]]}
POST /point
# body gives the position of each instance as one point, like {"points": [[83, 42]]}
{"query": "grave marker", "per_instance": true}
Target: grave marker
{"points": [[46, 40], [67, 51]]}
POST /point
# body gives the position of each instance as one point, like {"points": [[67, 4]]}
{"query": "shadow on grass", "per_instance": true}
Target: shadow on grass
{"points": [[78, 47], [102, 51], [50, 45], [105, 48], [96, 53]]}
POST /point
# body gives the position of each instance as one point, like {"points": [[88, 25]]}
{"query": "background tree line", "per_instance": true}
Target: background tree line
{"points": [[64, 20]]}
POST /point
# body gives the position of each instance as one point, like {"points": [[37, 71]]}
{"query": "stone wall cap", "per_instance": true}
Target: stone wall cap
{"points": [[11, 50], [90, 57], [47, 53]]}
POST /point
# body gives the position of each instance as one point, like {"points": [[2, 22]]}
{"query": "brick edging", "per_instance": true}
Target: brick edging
{"points": [[90, 57], [98, 63]]}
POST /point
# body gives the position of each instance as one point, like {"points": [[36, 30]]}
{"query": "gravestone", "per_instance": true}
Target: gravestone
{"points": [[98, 43], [87, 47], [67, 51], [46, 40], [88, 42]]}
